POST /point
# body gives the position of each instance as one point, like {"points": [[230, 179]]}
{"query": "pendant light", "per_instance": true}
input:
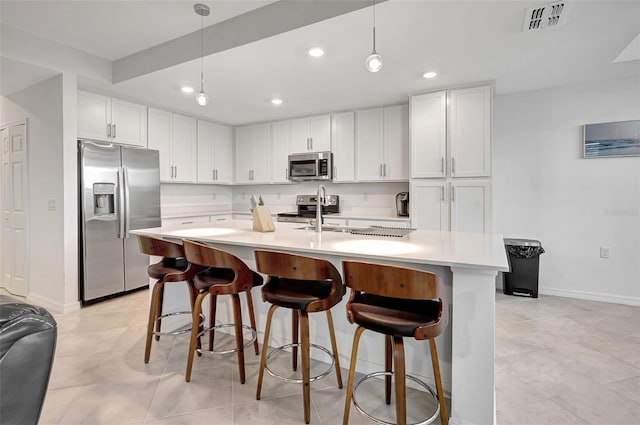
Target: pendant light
{"points": [[202, 10], [374, 60]]}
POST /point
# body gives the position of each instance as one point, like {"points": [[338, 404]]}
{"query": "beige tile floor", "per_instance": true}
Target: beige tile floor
{"points": [[558, 361]]}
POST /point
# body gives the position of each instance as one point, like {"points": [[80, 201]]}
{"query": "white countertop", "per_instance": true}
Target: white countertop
{"points": [[454, 249]]}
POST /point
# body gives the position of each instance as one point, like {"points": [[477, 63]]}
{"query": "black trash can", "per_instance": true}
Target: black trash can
{"points": [[524, 263]]}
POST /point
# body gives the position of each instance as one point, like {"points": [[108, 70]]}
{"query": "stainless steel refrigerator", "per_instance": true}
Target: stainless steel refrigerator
{"points": [[119, 192]]}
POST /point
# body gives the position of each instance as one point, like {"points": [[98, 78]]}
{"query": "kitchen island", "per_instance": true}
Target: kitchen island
{"points": [[466, 263]]}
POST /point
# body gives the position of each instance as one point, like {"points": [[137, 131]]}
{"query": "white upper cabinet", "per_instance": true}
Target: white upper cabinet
{"points": [[311, 134], [429, 135], [470, 132], [280, 136], [253, 154], [112, 120], [214, 153], [343, 143], [396, 142], [382, 144], [451, 133], [175, 137]]}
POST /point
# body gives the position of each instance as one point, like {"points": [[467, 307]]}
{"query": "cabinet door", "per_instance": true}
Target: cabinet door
{"points": [[222, 141], [369, 134], [160, 131], [280, 132], [470, 132], [428, 205], [94, 116], [243, 154], [206, 172], [129, 123], [428, 135], [320, 133], [261, 153], [184, 149], [343, 144], [470, 206], [396, 143], [300, 139]]}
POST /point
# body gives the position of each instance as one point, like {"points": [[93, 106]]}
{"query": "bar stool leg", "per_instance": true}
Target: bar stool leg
{"points": [[265, 348], [400, 378], [153, 313], [352, 375], [388, 363], [237, 319], [252, 318], [195, 328], [159, 311], [306, 366], [213, 302], [334, 347], [295, 320], [444, 419]]}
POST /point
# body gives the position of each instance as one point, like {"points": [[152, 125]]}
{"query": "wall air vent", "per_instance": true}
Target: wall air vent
{"points": [[545, 16]]}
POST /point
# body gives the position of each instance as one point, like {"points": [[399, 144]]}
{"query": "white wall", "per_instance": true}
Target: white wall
{"points": [[543, 189], [42, 105], [367, 198]]}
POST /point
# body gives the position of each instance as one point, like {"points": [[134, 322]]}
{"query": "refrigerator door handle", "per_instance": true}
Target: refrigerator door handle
{"points": [[127, 209], [121, 200]]}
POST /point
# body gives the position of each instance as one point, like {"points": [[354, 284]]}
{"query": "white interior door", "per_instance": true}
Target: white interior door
{"points": [[14, 209]]}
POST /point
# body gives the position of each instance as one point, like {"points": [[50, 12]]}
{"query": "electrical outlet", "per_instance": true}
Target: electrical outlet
{"points": [[605, 252], [365, 196], [51, 204]]}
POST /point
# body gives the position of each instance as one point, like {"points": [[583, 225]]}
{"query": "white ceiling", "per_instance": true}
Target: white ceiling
{"points": [[464, 42]]}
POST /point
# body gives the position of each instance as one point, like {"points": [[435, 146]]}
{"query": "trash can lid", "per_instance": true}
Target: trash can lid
{"points": [[522, 242]]}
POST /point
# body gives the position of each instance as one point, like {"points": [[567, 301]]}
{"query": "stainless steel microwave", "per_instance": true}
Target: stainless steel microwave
{"points": [[310, 166]]}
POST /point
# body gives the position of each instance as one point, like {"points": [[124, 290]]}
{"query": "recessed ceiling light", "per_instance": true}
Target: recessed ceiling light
{"points": [[315, 52], [430, 74], [276, 101], [187, 89]]}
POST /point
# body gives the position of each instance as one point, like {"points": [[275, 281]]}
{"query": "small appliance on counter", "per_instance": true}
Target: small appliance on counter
{"points": [[402, 204], [307, 208]]}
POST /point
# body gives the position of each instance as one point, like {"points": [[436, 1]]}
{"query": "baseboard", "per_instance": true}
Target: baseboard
{"points": [[592, 296], [53, 306]]}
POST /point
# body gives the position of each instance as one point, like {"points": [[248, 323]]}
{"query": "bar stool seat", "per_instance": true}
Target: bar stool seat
{"points": [[166, 266], [288, 294], [396, 302]]}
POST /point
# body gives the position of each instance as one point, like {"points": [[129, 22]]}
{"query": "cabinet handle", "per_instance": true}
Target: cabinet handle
{"points": [[380, 170], [453, 193], [176, 171], [114, 131], [311, 140], [187, 222], [108, 131], [308, 144], [286, 173], [453, 165], [442, 193], [385, 170], [213, 174], [442, 164], [172, 171], [216, 174]]}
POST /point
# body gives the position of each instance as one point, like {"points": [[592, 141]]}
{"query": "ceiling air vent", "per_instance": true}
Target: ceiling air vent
{"points": [[548, 15]]}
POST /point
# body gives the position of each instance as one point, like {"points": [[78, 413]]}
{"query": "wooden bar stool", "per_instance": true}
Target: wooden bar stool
{"points": [[304, 285], [223, 274], [172, 268], [397, 302]]}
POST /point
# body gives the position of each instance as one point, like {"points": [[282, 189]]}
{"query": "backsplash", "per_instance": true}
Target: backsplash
{"points": [[186, 199]]}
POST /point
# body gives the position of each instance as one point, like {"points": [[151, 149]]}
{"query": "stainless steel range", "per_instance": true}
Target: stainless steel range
{"points": [[307, 208]]}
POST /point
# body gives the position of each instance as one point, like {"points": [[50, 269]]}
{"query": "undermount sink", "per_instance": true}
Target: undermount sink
{"points": [[327, 228]]}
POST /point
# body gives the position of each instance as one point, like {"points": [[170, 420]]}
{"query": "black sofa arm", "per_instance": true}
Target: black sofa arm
{"points": [[27, 345]]}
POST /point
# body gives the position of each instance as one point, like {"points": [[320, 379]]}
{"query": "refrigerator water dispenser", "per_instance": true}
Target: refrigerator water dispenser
{"points": [[103, 202]]}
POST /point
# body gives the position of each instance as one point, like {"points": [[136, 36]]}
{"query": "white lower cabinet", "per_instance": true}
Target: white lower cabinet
{"points": [[185, 220], [456, 205], [381, 223]]}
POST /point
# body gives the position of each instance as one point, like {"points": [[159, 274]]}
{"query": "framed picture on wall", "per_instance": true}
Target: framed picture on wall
{"points": [[612, 139]]}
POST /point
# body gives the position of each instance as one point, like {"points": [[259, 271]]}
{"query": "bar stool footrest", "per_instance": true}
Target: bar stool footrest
{"points": [[178, 331], [380, 421], [254, 335], [298, 381]]}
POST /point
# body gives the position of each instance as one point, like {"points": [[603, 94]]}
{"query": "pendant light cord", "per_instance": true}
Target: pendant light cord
{"points": [[374, 26], [201, 53]]}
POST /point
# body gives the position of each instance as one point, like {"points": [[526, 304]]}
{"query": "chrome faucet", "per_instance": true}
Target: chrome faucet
{"points": [[320, 201]]}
